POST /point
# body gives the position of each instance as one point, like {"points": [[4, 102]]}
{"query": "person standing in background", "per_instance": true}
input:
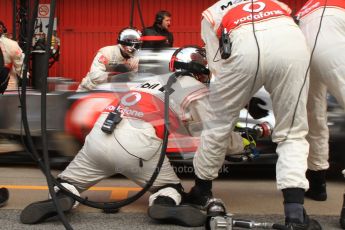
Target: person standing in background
{"points": [[159, 34]]}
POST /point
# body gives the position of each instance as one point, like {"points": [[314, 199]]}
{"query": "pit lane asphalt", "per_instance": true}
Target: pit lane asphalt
{"points": [[248, 193]]}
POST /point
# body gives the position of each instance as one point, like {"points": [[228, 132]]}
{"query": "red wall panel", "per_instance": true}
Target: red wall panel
{"points": [[85, 26], [6, 14]]}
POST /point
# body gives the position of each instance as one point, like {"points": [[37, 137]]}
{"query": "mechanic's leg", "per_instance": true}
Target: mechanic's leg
{"points": [[232, 89], [292, 149], [288, 87], [292, 152], [140, 164], [93, 163], [39, 211], [317, 137], [165, 203]]}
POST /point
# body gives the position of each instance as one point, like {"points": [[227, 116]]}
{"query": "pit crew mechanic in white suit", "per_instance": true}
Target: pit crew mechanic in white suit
{"points": [[283, 62], [327, 73], [133, 149], [112, 59], [11, 59], [11, 63]]}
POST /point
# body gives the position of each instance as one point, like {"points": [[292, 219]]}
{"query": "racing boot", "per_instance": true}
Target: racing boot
{"points": [[200, 194], [4, 195], [165, 209], [342, 215], [317, 185], [307, 224], [295, 214], [39, 211]]}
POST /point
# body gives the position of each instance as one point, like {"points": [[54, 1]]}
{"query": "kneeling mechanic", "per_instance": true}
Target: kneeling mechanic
{"points": [[133, 147]]}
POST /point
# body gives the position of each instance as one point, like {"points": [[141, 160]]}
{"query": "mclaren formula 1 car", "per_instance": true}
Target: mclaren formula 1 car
{"points": [[71, 115]]}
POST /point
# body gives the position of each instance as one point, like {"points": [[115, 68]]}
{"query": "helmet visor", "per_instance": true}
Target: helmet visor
{"points": [[135, 45]]}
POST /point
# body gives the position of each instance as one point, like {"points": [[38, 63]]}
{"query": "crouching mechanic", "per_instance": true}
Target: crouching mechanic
{"points": [[113, 59], [133, 148], [268, 49]]}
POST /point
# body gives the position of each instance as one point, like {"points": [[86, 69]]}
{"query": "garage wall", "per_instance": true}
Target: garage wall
{"points": [[85, 26], [6, 13]]}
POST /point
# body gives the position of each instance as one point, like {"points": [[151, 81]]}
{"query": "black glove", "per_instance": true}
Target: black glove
{"points": [[117, 68], [200, 193], [255, 110]]}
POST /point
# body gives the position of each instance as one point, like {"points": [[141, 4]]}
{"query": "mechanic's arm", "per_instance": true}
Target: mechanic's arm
{"points": [[99, 62], [96, 75], [17, 57], [134, 64], [212, 51]]}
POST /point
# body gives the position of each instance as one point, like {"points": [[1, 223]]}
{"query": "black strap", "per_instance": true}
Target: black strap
{"points": [[2, 61], [4, 77]]}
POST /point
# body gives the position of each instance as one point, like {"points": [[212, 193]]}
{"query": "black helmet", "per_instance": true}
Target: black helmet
{"points": [[190, 58], [130, 37]]}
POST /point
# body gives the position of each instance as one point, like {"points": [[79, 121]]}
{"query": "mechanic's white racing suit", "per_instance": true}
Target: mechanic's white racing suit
{"points": [[133, 149], [283, 63], [103, 64], [327, 71], [12, 59]]}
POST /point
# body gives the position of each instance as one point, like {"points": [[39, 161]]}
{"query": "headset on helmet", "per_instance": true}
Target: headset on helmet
{"points": [[130, 37], [192, 59], [3, 29], [160, 16]]}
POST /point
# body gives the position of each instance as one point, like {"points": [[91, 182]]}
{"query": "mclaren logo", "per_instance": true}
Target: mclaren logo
{"points": [[223, 7], [230, 3]]}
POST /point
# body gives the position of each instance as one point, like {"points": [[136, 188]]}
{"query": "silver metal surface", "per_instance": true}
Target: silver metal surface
{"points": [[10, 116], [221, 223], [155, 60]]}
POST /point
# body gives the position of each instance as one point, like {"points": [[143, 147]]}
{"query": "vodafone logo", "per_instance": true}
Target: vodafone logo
{"points": [[131, 99], [255, 7]]}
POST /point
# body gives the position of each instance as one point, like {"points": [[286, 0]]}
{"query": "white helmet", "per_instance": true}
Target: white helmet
{"points": [[131, 38], [191, 59]]}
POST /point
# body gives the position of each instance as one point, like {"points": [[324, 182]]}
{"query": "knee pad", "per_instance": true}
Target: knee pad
{"points": [[70, 188], [174, 191]]}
